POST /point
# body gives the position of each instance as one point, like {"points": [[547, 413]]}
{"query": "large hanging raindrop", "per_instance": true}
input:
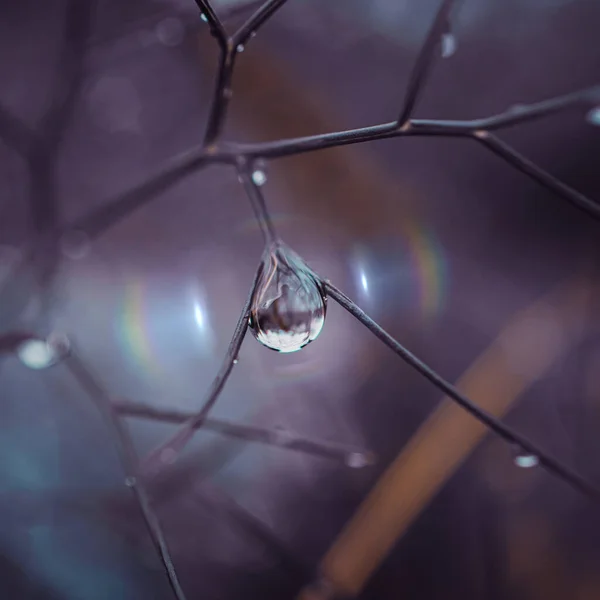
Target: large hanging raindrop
{"points": [[288, 308]]}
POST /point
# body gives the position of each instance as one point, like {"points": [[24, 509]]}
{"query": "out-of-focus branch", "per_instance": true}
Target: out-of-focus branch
{"points": [[15, 133], [101, 219], [129, 461], [249, 433]]}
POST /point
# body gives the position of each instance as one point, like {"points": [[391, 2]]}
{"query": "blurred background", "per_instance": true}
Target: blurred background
{"points": [[438, 240]]}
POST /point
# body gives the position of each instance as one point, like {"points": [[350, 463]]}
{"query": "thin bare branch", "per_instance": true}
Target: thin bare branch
{"points": [[129, 462], [221, 96], [425, 59], [508, 434], [257, 200], [167, 452], [216, 27], [71, 72], [289, 147], [96, 222], [249, 433], [529, 168], [252, 25], [521, 113]]}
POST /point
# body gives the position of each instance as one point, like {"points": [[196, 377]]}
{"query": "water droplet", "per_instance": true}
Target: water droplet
{"points": [[358, 460], [259, 177], [235, 361], [253, 34], [593, 116], [288, 308], [448, 45], [526, 461], [204, 17], [130, 481], [75, 244], [240, 48]]}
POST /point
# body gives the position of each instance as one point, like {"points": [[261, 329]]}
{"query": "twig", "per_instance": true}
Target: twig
{"points": [[250, 27], [425, 60], [71, 72], [168, 451], [257, 200], [216, 27], [99, 220], [544, 178], [289, 147], [221, 95], [505, 432], [271, 437], [129, 461]]}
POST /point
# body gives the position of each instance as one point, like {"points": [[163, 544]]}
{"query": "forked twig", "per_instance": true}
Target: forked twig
{"points": [[242, 156], [425, 60], [261, 15], [216, 27]]}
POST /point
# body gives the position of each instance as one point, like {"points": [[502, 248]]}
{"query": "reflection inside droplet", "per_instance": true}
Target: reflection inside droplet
{"points": [[240, 48], [288, 308]]}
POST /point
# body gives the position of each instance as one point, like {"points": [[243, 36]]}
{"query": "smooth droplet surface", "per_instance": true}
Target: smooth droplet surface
{"points": [[204, 17], [288, 308], [240, 48]]}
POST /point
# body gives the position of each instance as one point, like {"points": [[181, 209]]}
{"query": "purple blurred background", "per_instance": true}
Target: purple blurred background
{"points": [[438, 240]]}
